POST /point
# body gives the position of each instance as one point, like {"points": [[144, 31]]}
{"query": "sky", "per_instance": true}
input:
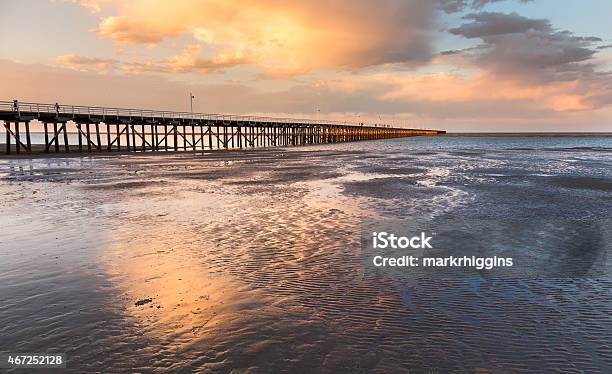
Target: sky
{"points": [[457, 65]]}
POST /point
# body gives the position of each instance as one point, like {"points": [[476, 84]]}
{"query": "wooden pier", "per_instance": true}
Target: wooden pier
{"points": [[72, 128]]}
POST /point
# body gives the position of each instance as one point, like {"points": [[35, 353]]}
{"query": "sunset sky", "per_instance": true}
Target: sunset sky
{"points": [[459, 65]]}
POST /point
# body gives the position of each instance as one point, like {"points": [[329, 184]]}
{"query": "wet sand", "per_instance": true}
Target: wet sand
{"points": [[249, 261]]}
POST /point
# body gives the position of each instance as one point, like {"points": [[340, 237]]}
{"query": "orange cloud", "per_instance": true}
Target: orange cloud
{"points": [[188, 61], [484, 87], [134, 31], [285, 36], [82, 62]]}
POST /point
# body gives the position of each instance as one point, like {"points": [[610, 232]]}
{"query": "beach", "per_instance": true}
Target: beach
{"points": [[251, 260]]}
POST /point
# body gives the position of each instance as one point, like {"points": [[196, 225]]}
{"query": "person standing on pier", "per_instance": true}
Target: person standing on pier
{"points": [[57, 109], [16, 105]]}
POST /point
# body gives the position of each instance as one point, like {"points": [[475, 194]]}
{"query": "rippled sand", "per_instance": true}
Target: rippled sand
{"points": [[249, 261]]}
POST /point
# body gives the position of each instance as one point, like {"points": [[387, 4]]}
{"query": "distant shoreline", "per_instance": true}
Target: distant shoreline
{"points": [[528, 134]]}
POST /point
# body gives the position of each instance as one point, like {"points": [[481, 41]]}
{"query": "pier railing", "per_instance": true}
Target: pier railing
{"points": [[158, 130], [67, 111]]}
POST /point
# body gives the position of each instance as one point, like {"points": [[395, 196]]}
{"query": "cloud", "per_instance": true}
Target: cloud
{"points": [[534, 53], [72, 59], [76, 61], [454, 6], [133, 31], [488, 88], [188, 61], [488, 24], [515, 45], [286, 36]]}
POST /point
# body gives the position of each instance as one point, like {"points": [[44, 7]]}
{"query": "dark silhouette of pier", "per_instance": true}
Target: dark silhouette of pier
{"points": [[100, 129]]}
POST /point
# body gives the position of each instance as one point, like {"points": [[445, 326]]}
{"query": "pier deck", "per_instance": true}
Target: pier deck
{"points": [[73, 128]]}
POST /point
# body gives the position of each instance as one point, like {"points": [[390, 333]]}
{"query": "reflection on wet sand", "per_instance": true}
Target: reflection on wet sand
{"points": [[161, 263], [170, 295]]}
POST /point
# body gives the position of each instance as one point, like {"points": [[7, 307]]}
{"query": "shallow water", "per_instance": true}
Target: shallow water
{"points": [[251, 260]]}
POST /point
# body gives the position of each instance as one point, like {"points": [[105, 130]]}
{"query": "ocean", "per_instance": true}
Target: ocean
{"points": [[252, 261]]}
